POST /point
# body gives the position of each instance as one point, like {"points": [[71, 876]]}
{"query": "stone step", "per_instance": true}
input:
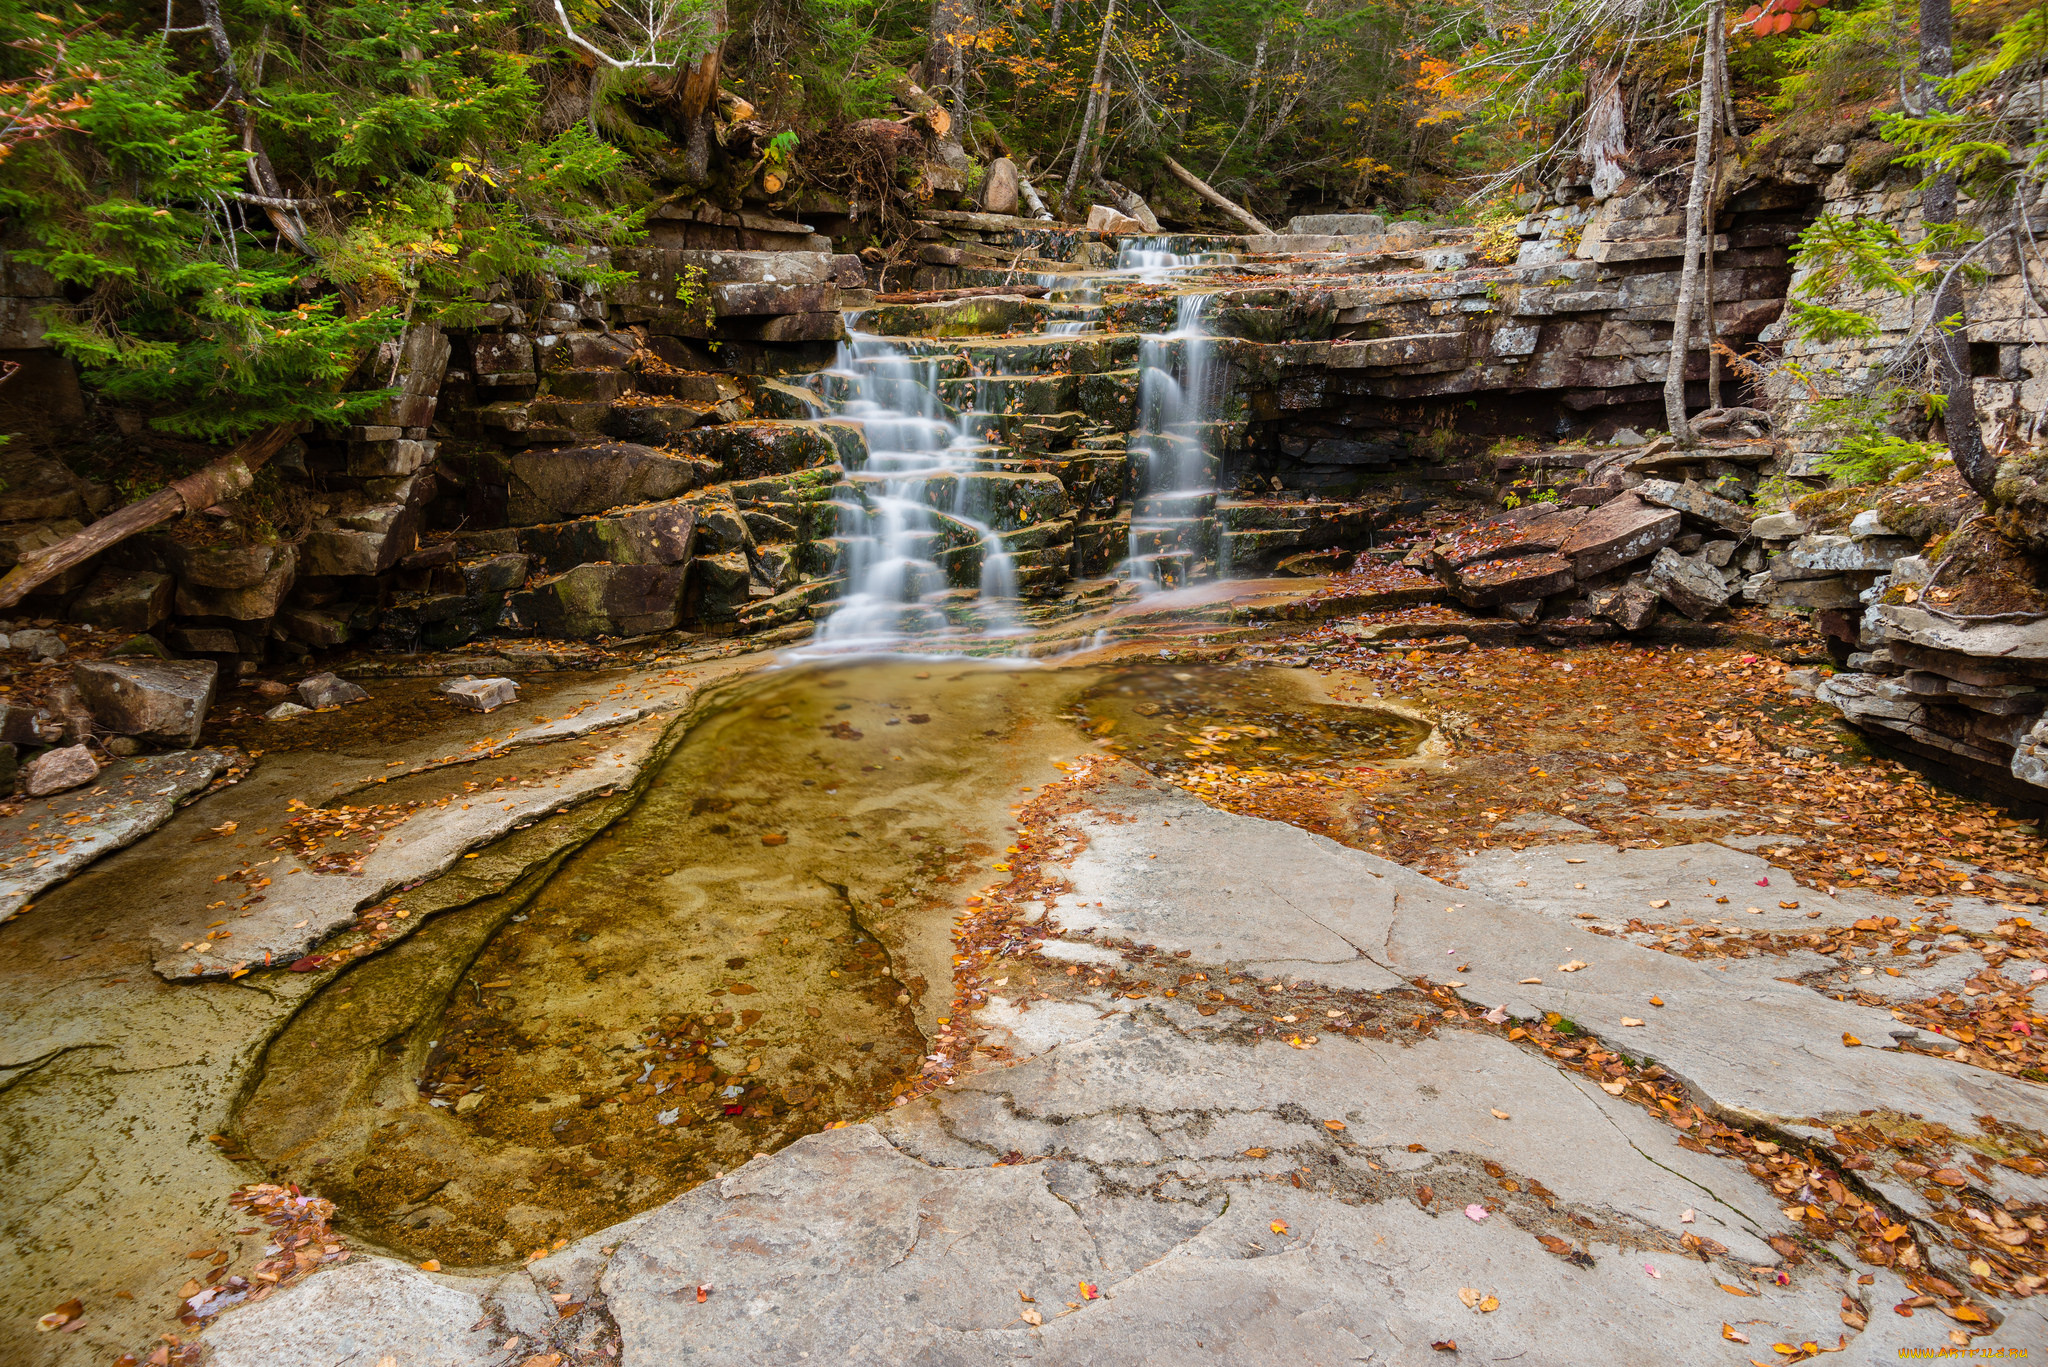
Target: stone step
{"points": [[1050, 393], [979, 315], [1181, 503], [1002, 501], [1196, 535], [657, 422], [1166, 569], [656, 534], [747, 450]]}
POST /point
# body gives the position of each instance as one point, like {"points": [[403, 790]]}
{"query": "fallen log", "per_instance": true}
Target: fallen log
{"points": [[202, 489], [966, 292], [1237, 212]]}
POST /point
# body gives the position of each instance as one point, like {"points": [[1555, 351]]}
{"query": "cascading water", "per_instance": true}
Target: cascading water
{"points": [[910, 535], [1173, 514]]}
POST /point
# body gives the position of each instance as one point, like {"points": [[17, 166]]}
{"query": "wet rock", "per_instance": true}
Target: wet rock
{"points": [[1622, 529], [603, 600], [330, 690], [285, 711], [67, 708], [1869, 523], [127, 601], [663, 534], [28, 725], [1816, 557], [159, 700], [554, 486], [319, 627], [481, 695], [39, 643], [1688, 583], [59, 770], [1336, 225], [753, 450], [366, 1310]]}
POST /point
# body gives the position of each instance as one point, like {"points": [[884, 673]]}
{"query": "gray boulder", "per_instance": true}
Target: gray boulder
{"points": [[481, 695], [60, 771], [603, 600], [40, 643], [1688, 583], [555, 486], [127, 601], [329, 690], [1336, 225], [158, 700], [999, 189]]}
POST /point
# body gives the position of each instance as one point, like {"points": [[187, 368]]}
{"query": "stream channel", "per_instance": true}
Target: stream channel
{"points": [[760, 947]]}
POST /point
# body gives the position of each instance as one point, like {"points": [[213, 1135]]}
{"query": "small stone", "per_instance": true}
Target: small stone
{"points": [[1688, 583], [271, 689], [163, 700], [285, 711], [483, 695], [60, 770], [1628, 436], [1868, 523], [40, 644], [123, 746], [329, 690]]}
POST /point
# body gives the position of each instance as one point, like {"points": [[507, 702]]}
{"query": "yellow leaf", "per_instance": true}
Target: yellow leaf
{"points": [[1729, 1332], [1279, 1226], [1489, 1305], [1851, 1040], [1500, 1115]]}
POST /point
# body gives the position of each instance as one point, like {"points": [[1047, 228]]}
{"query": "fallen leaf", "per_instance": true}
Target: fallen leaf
{"points": [[1445, 1345], [1088, 1291], [1334, 1125], [1574, 966], [1687, 1216], [1255, 1153], [1497, 1016], [1615, 1088], [1537, 981], [1656, 1001], [774, 839], [1501, 1115], [1279, 1226], [1489, 1305], [1425, 1193], [1475, 1211], [1729, 1332], [1661, 903], [703, 1293], [1653, 1271], [1734, 1290], [1789, 906], [1470, 1296], [1630, 1020], [1031, 1317], [1851, 1040], [1949, 1177], [431, 1265], [1555, 1244]]}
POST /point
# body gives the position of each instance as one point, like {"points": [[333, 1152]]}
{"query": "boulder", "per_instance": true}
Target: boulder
{"points": [[319, 627], [1103, 219], [554, 486], [481, 695], [660, 534], [1778, 527], [1622, 529], [251, 602], [127, 601], [40, 643], [720, 585], [495, 574], [603, 600], [754, 450], [329, 690], [60, 771], [502, 358], [371, 539], [1629, 606], [35, 488], [227, 566], [1688, 583], [1694, 501], [1817, 557], [999, 187], [285, 711], [158, 700], [1511, 579]]}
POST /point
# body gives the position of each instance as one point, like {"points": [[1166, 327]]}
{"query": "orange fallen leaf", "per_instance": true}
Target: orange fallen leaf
{"points": [[1088, 1291], [1279, 1226], [774, 839], [1851, 1040], [1729, 1332], [1334, 1125], [1501, 1115], [1656, 1001]]}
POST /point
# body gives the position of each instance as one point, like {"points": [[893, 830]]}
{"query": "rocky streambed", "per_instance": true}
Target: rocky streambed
{"points": [[1231, 991]]}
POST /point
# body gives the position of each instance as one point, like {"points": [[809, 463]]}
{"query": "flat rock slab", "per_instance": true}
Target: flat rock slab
{"points": [[131, 798], [363, 1311], [303, 907]]}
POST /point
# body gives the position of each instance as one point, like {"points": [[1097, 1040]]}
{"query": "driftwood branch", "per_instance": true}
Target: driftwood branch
{"points": [[1237, 212], [201, 489]]}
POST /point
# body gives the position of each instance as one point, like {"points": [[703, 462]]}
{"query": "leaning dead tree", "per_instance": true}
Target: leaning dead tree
{"points": [[679, 42], [1237, 212], [200, 490]]}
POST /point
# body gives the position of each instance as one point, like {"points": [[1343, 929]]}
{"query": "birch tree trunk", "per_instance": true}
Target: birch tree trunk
{"points": [[1695, 213], [1074, 184], [1949, 333]]}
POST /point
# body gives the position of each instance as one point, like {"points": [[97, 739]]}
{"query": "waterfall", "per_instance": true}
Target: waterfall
{"points": [[910, 525], [1173, 513]]}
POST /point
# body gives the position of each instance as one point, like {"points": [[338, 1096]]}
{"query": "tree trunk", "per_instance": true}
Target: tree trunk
{"points": [[230, 474], [1130, 202], [1695, 213], [1031, 199], [1948, 335], [262, 176], [1717, 51], [1237, 212], [1073, 182]]}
